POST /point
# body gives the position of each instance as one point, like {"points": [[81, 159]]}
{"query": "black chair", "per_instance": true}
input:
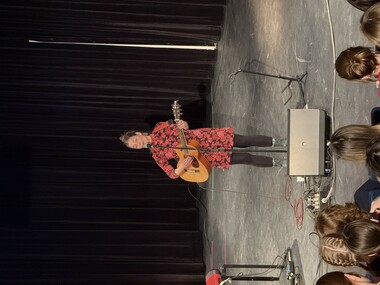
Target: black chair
{"points": [[375, 116]]}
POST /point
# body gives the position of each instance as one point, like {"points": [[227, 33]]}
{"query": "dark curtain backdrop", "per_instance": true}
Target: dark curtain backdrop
{"points": [[116, 21], [76, 206]]}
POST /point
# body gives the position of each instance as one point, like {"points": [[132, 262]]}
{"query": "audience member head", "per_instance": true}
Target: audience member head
{"points": [[356, 63], [333, 218], [350, 142], [341, 278], [362, 237], [333, 251], [373, 156], [362, 4], [370, 24]]}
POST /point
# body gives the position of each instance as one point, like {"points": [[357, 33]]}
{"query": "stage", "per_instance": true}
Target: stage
{"points": [[255, 214]]}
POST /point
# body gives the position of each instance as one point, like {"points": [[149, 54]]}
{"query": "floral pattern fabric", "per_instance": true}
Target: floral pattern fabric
{"points": [[166, 135]]}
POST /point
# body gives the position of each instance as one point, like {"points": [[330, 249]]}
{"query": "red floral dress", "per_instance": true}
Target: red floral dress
{"points": [[166, 135]]}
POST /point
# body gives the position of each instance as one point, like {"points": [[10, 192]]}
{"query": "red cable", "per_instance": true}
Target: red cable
{"points": [[298, 209]]}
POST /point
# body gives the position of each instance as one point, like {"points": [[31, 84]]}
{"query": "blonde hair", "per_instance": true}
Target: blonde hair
{"points": [[333, 251], [350, 142], [333, 218], [370, 24], [356, 62]]}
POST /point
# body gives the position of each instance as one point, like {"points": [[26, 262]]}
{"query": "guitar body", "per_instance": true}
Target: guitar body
{"points": [[200, 167]]}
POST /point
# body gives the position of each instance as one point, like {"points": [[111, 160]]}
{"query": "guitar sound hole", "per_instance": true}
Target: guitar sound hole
{"points": [[195, 163]]}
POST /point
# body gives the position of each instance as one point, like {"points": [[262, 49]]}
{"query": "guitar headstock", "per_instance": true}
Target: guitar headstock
{"points": [[177, 112]]}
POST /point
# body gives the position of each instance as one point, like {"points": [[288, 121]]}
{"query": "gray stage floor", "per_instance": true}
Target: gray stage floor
{"points": [[249, 219]]}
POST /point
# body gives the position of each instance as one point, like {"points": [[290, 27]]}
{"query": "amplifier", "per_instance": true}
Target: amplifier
{"points": [[306, 142]]}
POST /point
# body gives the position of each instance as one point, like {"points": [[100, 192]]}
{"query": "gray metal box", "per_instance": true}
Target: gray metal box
{"points": [[306, 143]]}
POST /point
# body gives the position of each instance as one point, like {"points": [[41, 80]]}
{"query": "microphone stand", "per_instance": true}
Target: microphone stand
{"points": [[298, 78]]}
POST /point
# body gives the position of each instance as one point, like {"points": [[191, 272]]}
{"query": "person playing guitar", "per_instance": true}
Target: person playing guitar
{"points": [[214, 144]]}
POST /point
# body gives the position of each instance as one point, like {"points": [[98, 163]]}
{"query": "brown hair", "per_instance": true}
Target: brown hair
{"points": [[333, 250], [128, 134], [373, 156], [362, 237], [333, 218], [362, 4], [350, 142], [370, 24], [356, 62], [334, 278]]}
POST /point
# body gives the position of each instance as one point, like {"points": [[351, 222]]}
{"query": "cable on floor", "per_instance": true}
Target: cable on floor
{"points": [[297, 205]]}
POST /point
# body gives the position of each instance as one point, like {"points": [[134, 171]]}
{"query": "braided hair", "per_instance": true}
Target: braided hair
{"points": [[333, 250]]}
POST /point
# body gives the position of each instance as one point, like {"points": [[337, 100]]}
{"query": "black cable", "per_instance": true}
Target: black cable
{"points": [[205, 208]]}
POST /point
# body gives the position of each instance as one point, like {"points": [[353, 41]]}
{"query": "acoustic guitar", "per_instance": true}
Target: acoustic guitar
{"points": [[200, 168]]}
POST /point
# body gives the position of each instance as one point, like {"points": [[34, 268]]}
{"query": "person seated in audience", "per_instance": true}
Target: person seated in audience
{"points": [[362, 4], [361, 143], [370, 24], [367, 197], [333, 251], [341, 278], [362, 237], [333, 218], [350, 142], [358, 63]]}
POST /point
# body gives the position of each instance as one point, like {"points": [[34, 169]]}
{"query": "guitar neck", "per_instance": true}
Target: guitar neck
{"points": [[182, 138]]}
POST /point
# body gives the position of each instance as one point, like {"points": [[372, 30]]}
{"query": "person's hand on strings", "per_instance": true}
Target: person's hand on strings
{"points": [[184, 164]]}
